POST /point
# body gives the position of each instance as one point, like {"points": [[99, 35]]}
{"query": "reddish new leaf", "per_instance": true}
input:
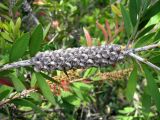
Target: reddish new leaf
{"points": [[103, 31], [88, 37], [109, 31], [116, 27], [4, 81]]}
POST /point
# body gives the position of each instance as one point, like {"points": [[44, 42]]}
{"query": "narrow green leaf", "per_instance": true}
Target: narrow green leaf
{"points": [[6, 36], [27, 103], [133, 11], [19, 86], [146, 103], [4, 94], [152, 10], [132, 82], [78, 92], [139, 5], [157, 36], [152, 86], [36, 40], [18, 23], [11, 25], [146, 30], [33, 80], [115, 10], [3, 6], [126, 110], [36, 97], [4, 87], [6, 72], [89, 72], [45, 88], [73, 100], [127, 21], [155, 59], [144, 40], [149, 12], [145, 4], [65, 94], [18, 5], [82, 86], [49, 78], [17, 26], [19, 47], [46, 30]]}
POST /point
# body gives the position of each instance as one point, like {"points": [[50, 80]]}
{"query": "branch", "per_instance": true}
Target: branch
{"points": [[16, 65], [27, 8], [23, 94], [145, 48], [144, 61], [83, 57]]}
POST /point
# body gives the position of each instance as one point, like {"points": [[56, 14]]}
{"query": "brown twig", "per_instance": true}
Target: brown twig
{"points": [[16, 95]]}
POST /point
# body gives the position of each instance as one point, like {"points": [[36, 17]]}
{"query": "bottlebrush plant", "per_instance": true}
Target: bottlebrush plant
{"points": [[81, 59]]}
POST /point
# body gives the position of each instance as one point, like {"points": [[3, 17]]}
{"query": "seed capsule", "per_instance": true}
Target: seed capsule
{"points": [[82, 57]]}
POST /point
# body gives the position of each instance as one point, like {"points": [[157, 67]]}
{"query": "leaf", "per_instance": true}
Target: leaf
{"points": [[36, 97], [152, 10], [44, 87], [155, 59], [82, 86], [108, 30], [127, 21], [157, 36], [19, 47], [132, 82], [145, 4], [78, 92], [73, 100], [3, 6], [115, 10], [19, 86], [17, 5], [5, 26], [6, 36], [18, 23], [6, 72], [36, 40], [152, 86], [146, 103], [89, 72], [5, 91], [105, 34], [146, 30], [49, 78], [88, 37], [27, 103], [65, 93], [4, 94], [46, 30], [17, 26], [127, 110], [139, 5], [33, 80], [144, 40], [133, 11], [11, 23]]}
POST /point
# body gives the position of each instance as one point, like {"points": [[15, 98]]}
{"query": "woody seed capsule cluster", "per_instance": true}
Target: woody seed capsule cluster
{"points": [[74, 58]]}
